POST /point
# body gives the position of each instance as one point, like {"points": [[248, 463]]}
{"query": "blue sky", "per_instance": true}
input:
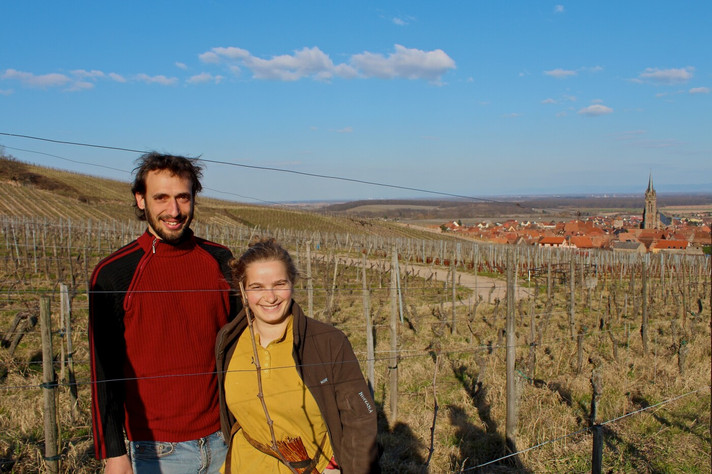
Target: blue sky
{"points": [[476, 98]]}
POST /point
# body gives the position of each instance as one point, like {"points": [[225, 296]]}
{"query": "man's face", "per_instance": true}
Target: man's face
{"points": [[168, 204]]}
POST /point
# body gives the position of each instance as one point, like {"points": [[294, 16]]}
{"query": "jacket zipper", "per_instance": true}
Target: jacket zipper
{"points": [[137, 274]]}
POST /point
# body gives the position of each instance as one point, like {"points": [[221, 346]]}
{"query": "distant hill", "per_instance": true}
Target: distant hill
{"points": [[507, 206]]}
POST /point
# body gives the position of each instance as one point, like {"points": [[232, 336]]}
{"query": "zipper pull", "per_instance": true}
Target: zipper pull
{"points": [[153, 245]]}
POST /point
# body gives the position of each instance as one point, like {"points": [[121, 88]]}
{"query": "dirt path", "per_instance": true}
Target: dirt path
{"points": [[481, 285]]}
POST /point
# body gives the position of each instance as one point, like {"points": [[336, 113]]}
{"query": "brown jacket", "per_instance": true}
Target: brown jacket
{"points": [[328, 366]]}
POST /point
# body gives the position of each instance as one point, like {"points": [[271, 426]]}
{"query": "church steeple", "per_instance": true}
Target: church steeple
{"points": [[651, 219]]}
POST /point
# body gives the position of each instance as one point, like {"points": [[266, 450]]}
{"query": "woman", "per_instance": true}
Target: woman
{"points": [[323, 417]]}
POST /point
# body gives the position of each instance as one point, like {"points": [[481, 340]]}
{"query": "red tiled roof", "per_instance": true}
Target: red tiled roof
{"points": [[670, 244], [581, 242], [552, 240]]}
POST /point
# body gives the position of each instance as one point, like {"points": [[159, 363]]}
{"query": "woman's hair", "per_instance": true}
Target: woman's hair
{"points": [[261, 250]]}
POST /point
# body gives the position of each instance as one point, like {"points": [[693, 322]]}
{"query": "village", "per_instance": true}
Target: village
{"points": [[652, 232], [622, 233]]}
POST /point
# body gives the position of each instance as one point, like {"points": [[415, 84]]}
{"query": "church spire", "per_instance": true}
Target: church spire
{"points": [[651, 218]]}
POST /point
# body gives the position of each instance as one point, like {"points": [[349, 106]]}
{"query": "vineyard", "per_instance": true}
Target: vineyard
{"points": [[482, 358]]}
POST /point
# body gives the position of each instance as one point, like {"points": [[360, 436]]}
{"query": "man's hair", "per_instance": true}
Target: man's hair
{"points": [[262, 250], [176, 165]]}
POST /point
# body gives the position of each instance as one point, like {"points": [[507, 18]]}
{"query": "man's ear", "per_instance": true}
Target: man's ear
{"points": [[140, 201]]}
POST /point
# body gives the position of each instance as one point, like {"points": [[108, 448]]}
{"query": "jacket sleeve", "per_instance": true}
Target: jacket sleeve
{"points": [[358, 415], [107, 353], [224, 257]]}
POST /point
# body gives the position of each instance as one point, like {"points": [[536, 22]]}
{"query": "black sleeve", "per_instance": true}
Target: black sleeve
{"points": [[107, 353]]}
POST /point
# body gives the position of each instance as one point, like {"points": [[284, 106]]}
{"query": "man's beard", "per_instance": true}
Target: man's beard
{"points": [[166, 235]]}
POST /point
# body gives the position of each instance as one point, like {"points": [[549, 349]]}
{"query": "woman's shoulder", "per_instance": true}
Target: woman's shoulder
{"points": [[316, 328]]}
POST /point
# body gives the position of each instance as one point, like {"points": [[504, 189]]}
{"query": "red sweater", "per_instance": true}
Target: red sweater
{"points": [[155, 309]]}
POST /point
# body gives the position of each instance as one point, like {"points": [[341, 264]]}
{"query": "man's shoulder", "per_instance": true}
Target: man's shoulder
{"points": [[127, 257], [218, 251]]}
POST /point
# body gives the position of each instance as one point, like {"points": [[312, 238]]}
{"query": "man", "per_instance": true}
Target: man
{"points": [[155, 307]]}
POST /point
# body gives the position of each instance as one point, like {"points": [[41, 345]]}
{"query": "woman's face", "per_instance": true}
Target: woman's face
{"points": [[269, 291]]}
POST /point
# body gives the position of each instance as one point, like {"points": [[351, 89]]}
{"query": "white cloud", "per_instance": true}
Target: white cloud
{"points": [[80, 86], [209, 57], [313, 63], [6, 91], [306, 62], [403, 20], [215, 55], [404, 63], [116, 77], [666, 76], [700, 90], [76, 80], [560, 73], [559, 9], [595, 110], [81, 73], [31, 80], [345, 130], [204, 77], [549, 101], [180, 65], [160, 79]]}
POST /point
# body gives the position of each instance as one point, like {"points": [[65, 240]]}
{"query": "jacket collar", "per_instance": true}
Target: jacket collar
{"points": [[151, 243]]}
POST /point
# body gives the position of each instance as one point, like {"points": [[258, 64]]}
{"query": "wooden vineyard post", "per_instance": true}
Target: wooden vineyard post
{"points": [[453, 328], [644, 323], [548, 278], [69, 379], [34, 247], [597, 456], [579, 352], [370, 370], [49, 384], [572, 295], [393, 363], [532, 336], [310, 283], [511, 386], [398, 287]]}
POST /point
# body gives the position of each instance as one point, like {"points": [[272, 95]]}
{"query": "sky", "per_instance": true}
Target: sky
{"points": [[325, 100]]}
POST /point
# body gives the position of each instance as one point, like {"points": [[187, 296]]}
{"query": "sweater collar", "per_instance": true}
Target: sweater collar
{"points": [[150, 243]]}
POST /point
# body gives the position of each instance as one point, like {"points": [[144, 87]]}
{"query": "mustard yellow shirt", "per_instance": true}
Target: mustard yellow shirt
{"points": [[291, 406]]}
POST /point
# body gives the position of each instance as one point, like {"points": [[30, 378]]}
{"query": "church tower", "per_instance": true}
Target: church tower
{"points": [[651, 219]]}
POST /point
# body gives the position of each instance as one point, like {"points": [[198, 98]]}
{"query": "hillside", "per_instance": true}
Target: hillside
{"points": [[38, 192]]}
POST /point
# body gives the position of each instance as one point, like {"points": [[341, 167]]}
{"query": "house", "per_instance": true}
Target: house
{"points": [[669, 245], [553, 242], [628, 246], [581, 242]]}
